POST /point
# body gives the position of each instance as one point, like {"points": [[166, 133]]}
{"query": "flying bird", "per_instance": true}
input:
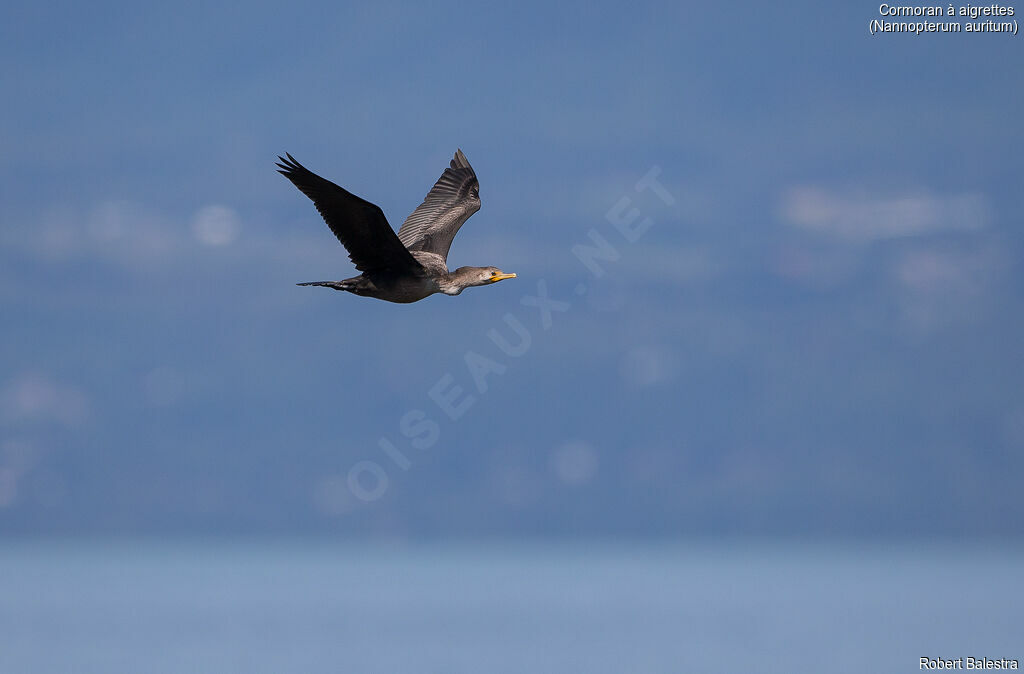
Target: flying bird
{"points": [[412, 264]]}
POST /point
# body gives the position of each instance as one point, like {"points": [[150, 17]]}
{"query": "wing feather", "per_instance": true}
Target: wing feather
{"points": [[449, 203], [359, 225]]}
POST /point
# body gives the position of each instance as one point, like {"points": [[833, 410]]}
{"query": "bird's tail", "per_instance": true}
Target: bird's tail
{"points": [[337, 285]]}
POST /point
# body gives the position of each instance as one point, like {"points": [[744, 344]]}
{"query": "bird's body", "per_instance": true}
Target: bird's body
{"points": [[412, 264]]}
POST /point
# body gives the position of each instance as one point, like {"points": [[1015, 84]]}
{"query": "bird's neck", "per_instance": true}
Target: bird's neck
{"points": [[450, 284], [455, 282]]}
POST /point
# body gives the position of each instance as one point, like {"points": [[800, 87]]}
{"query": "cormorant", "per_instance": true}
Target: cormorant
{"points": [[412, 264]]}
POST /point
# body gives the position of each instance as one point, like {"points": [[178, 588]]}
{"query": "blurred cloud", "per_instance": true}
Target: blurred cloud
{"points": [[216, 225], [332, 496], [516, 486], [945, 271], [120, 231], [648, 365], [129, 232], [37, 398], [939, 287], [574, 463], [123, 232], [862, 217], [816, 266]]}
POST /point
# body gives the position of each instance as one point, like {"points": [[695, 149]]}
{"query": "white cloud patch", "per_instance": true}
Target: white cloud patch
{"points": [[574, 463], [129, 233], [123, 232], [216, 225], [119, 231], [862, 217], [37, 398]]}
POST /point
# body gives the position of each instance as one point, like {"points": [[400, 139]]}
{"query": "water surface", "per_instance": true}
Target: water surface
{"points": [[300, 606]]}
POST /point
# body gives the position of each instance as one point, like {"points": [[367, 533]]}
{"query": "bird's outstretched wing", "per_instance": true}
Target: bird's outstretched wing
{"points": [[453, 198], [359, 225]]}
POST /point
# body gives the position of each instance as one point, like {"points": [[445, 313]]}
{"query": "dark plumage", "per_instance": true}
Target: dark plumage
{"points": [[409, 265]]}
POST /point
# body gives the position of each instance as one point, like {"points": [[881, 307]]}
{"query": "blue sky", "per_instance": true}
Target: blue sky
{"points": [[819, 335]]}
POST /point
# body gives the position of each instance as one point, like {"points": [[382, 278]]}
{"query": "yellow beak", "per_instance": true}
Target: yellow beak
{"points": [[501, 277]]}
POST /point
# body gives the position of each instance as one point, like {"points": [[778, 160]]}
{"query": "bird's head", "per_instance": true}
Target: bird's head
{"points": [[467, 277]]}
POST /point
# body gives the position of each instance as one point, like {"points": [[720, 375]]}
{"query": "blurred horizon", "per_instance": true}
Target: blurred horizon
{"points": [[816, 334], [655, 607]]}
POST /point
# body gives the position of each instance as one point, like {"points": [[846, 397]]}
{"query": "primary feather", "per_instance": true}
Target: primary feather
{"points": [[449, 203]]}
